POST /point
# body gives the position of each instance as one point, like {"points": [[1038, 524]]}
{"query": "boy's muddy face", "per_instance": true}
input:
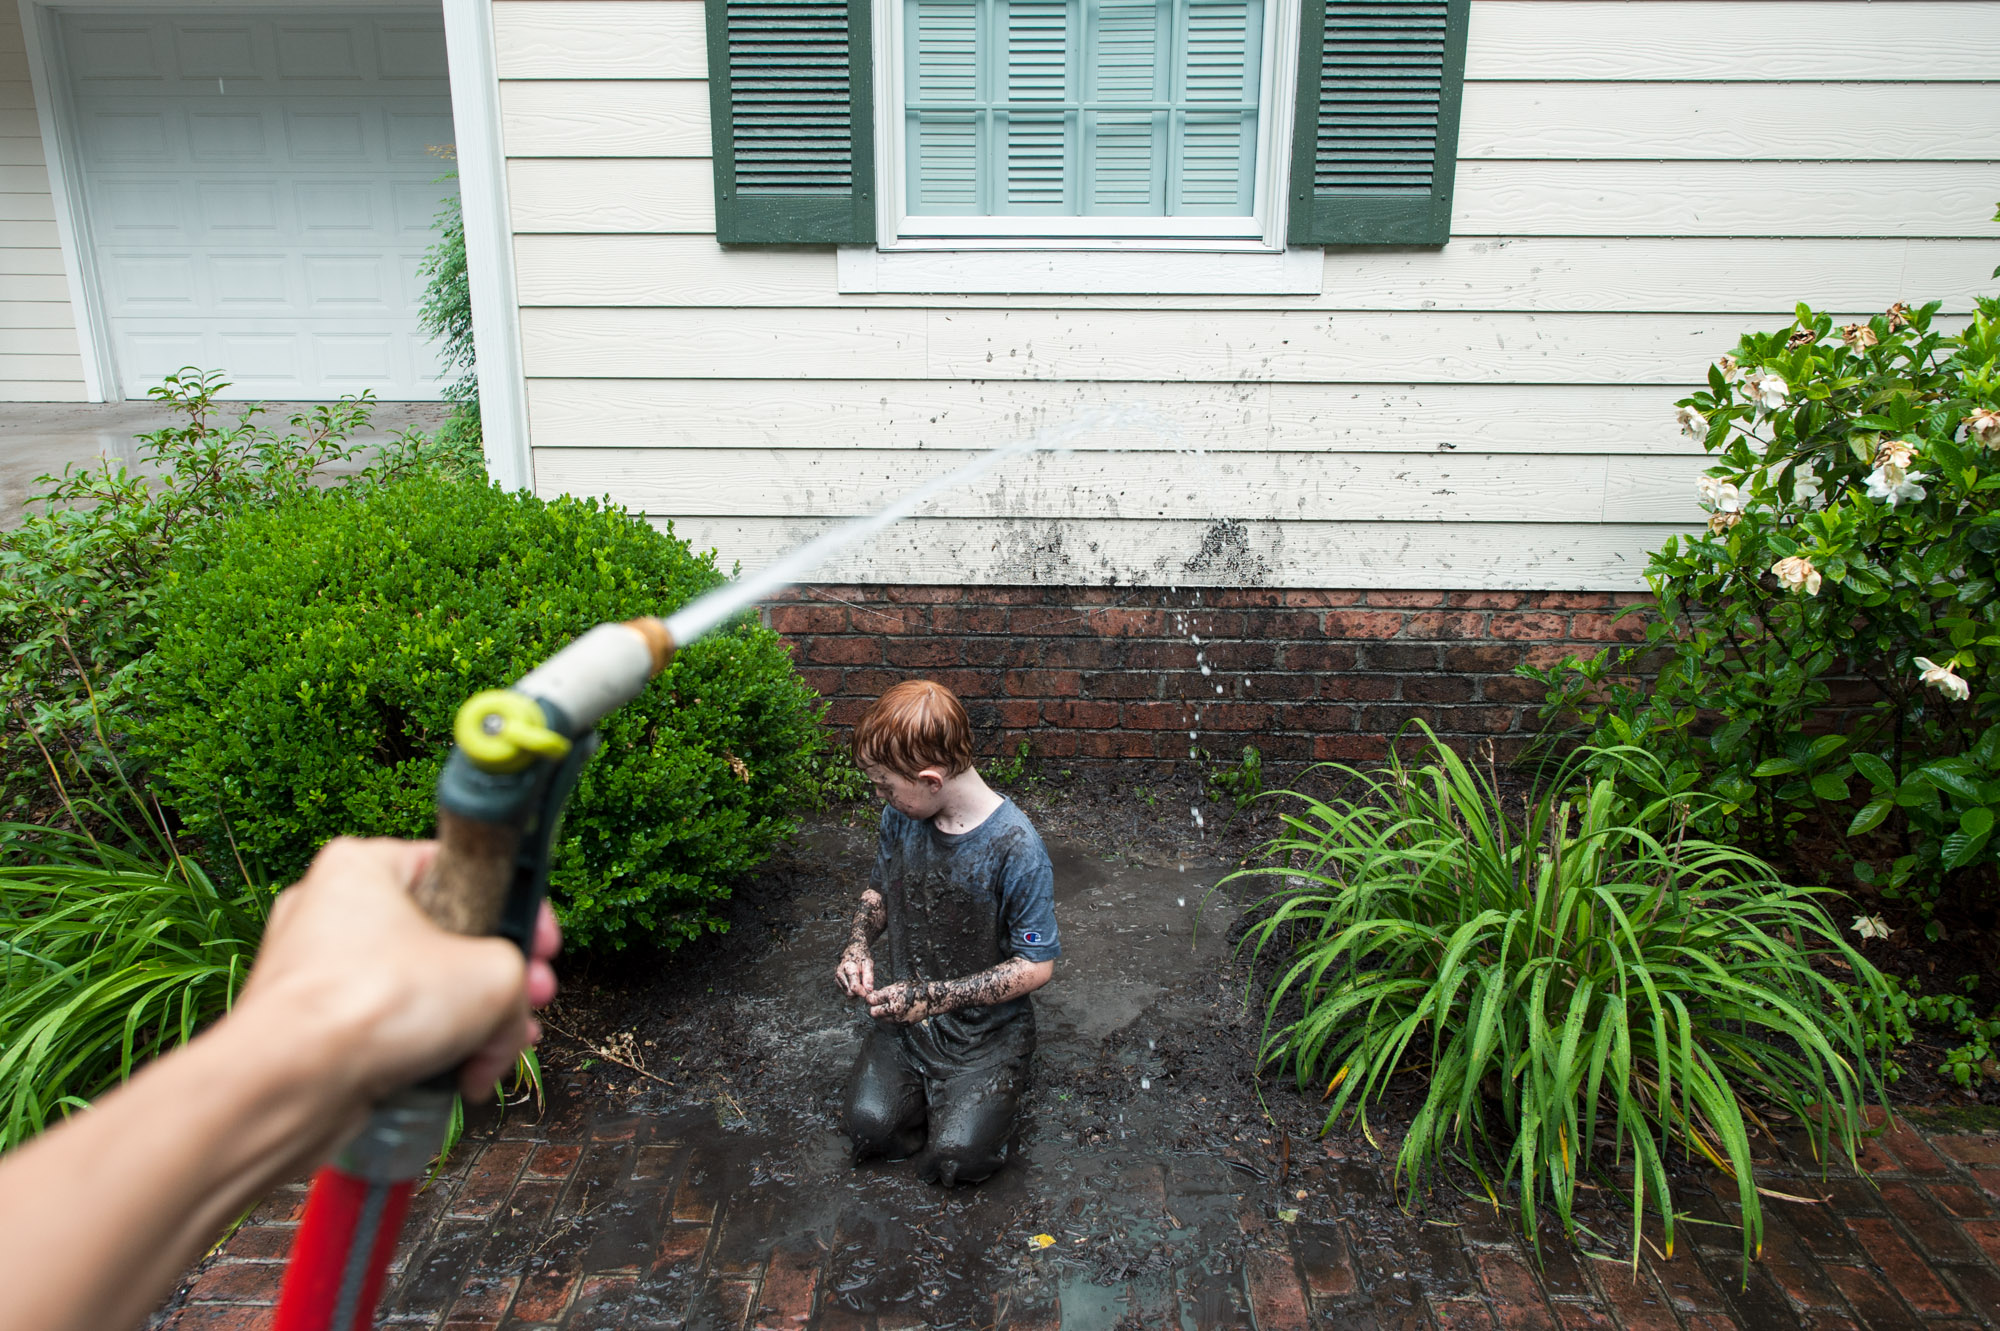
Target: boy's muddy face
{"points": [[919, 797]]}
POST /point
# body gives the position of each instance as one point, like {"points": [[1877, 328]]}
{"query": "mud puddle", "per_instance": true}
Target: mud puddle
{"points": [[1143, 1163]]}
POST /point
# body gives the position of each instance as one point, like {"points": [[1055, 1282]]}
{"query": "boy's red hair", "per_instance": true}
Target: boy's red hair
{"points": [[916, 724]]}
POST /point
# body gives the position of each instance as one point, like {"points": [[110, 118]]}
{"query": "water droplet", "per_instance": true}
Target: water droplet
{"points": [[1218, 687], [1182, 900], [1145, 1083], [1195, 639], [1152, 1044], [1192, 735], [1197, 816], [1205, 669]]}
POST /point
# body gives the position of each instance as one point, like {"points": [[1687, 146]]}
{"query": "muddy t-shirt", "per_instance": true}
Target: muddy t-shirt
{"points": [[961, 904]]}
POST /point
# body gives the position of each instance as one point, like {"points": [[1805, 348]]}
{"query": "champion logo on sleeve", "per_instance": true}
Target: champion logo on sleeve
{"points": [[1032, 937]]}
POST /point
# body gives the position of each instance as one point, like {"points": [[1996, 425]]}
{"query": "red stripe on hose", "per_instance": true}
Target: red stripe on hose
{"points": [[322, 1250]]}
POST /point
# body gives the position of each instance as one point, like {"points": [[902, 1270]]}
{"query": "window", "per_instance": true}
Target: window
{"points": [[1080, 117], [1170, 123]]}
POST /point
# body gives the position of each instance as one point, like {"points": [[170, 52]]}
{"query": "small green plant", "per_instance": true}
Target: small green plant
{"points": [[310, 663], [1965, 1064], [108, 957], [79, 579], [1583, 991], [446, 314], [1010, 771], [1240, 783]]}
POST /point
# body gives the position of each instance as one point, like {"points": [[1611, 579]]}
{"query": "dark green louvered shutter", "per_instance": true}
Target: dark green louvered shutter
{"points": [[1377, 132], [790, 98]]}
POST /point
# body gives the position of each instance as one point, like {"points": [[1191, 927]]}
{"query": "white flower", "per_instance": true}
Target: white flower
{"points": [[1798, 574], [1858, 336], [1805, 483], [1693, 424], [1941, 678], [1982, 427], [1894, 484], [1724, 502], [1871, 926], [1898, 453], [1768, 391], [1731, 371]]}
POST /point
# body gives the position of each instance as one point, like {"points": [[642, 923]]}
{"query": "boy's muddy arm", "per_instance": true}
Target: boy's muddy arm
{"points": [[856, 973], [917, 999]]}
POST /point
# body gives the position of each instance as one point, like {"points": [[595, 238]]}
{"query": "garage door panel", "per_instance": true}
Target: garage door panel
{"points": [[261, 190], [218, 50]]}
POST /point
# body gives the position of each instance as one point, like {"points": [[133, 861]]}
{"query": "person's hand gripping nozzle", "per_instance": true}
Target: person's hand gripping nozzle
{"points": [[517, 757]]}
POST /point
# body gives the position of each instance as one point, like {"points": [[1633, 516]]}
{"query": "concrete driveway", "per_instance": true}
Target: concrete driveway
{"points": [[41, 438]]}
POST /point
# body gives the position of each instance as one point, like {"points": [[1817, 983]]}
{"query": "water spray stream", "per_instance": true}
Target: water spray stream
{"points": [[699, 617]]}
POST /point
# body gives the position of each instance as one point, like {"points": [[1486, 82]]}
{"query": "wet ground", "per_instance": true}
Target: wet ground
{"points": [[688, 1172]]}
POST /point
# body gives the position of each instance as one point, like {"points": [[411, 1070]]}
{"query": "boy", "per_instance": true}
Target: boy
{"points": [[964, 889]]}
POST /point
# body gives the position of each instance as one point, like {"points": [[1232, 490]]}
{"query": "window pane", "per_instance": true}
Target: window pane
{"points": [[1130, 108]]}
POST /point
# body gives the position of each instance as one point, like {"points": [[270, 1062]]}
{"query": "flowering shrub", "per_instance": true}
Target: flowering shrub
{"points": [[1827, 646]]}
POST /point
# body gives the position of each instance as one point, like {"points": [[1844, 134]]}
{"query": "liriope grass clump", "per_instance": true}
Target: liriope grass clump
{"points": [[1585, 991], [109, 956]]}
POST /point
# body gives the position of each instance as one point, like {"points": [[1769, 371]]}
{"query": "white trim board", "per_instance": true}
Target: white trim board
{"points": [[1299, 271], [489, 240], [93, 342]]}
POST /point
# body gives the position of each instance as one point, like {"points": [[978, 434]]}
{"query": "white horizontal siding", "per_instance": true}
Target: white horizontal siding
{"points": [[951, 414], [1639, 183], [1649, 275], [38, 347]]}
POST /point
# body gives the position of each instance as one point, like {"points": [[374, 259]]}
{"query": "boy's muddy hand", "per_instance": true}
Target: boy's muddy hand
{"points": [[856, 973], [898, 1002]]}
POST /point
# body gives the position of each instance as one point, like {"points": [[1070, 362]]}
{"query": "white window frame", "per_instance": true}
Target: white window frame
{"points": [[1084, 255]]}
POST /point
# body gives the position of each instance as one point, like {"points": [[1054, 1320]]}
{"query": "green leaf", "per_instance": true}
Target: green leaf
{"points": [[1976, 822], [1870, 818], [1875, 770], [1774, 767], [1961, 850], [1829, 786]]}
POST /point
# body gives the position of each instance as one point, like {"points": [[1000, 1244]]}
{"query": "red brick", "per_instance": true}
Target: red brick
{"points": [[923, 653], [1087, 715], [1359, 687], [1062, 620], [1400, 657], [1320, 599], [265, 1243], [1446, 624], [1528, 626], [283, 1207], [1489, 659], [1606, 628], [1315, 656], [925, 595], [1582, 1317], [544, 1294], [1124, 744], [1363, 623], [968, 619], [1129, 622], [553, 1161], [1235, 716], [1634, 1298], [854, 649], [1406, 600], [238, 1282], [223, 1317], [969, 684], [1575, 600], [1864, 1293], [1492, 600], [1437, 688], [1350, 748], [1156, 716], [1908, 1274], [1961, 1201], [680, 1250], [826, 683], [694, 1200], [1511, 1285], [1513, 689], [796, 620], [1477, 720], [1120, 684], [786, 1300], [1277, 1300], [1044, 683], [1912, 1150], [484, 1298], [1937, 1237]]}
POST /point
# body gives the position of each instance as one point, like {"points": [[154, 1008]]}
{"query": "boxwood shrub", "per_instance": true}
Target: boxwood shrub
{"points": [[309, 665]]}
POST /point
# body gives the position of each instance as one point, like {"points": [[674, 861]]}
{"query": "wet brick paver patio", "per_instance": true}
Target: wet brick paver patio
{"points": [[626, 1228]]}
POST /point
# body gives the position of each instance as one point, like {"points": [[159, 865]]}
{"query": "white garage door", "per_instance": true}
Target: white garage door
{"points": [[259, 191]]}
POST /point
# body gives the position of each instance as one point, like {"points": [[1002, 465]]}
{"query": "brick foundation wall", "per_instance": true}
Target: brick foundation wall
{"points": [[1110, 673]]}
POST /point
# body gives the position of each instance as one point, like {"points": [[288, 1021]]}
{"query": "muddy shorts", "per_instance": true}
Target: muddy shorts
{"points": [[942, 1090]]}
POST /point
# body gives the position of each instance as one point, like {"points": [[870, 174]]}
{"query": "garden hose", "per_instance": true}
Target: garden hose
{"points": [[517, 757]]}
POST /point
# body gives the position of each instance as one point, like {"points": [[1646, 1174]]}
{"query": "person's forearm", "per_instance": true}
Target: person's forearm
{"points": [[871, 918], [1009, 980], [188, 1145]]}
